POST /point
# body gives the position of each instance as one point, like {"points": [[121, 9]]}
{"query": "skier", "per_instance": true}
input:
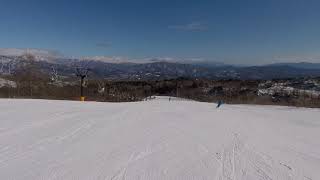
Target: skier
{"points": [[220, 102]]}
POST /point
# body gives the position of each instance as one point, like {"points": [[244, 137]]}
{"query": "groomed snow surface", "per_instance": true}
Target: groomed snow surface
{"points": [[157, 139]]}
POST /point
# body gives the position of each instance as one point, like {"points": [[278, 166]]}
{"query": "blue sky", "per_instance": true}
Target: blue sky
{"points": [[230, 31]]}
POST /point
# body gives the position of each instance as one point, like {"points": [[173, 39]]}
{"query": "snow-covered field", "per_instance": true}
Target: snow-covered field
{"points": [[157, 139]]}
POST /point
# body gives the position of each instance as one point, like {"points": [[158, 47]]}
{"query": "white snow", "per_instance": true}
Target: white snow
{"points": [[157, 139], [7, 83], [284, 88], [287, 90]]}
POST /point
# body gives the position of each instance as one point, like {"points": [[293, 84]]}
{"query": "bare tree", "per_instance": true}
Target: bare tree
{"points": [[101, 87], [54, 74]]}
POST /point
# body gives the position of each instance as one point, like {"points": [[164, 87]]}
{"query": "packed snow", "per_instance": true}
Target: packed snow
{"points": [[157, 139]]}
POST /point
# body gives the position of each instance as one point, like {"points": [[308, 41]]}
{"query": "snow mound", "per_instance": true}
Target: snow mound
{"points": [[158, 139]]}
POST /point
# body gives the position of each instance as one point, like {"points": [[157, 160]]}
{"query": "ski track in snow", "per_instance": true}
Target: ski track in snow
{"points": [[158, 139]]}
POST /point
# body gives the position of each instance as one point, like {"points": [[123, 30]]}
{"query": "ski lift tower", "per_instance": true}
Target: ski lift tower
{"points": [[82, 73]]}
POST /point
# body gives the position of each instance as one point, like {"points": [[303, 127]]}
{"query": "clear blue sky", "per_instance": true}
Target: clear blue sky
{"points": [[232, 31]]}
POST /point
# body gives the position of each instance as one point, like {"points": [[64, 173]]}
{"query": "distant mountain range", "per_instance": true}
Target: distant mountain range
{"points": [[303, 65], [12, 60]]}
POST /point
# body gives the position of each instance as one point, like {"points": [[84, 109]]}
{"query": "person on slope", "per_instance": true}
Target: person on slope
{"points": [[220, 102]]}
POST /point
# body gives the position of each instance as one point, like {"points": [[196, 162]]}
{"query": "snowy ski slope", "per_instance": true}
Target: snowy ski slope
{"points": [[157, 139]]}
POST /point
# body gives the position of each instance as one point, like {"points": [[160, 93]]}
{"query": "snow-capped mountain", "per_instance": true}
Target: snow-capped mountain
{"points": [[38, 54], [149, 68]]}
